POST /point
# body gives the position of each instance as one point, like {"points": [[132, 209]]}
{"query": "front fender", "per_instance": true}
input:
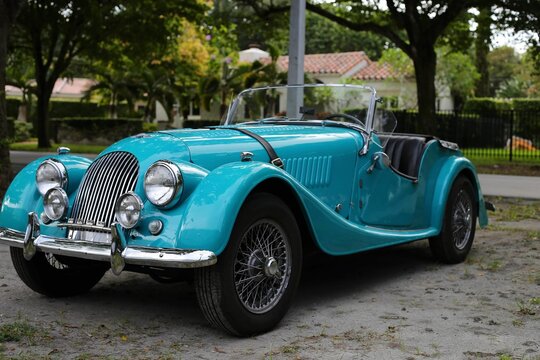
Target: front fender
{"points": [[211, 210], [22, 195], [452, 168]]}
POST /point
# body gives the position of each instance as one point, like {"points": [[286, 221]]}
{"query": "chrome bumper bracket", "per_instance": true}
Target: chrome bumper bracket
{"points": [[118, 245], [118, 253], [31, 233]]}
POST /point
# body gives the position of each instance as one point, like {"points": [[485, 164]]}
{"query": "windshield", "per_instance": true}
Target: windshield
{"points": [[340, 103]]}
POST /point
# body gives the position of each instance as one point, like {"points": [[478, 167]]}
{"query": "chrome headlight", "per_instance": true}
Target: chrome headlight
{"points": [[163, 183], [51, 174], [55, 204], [128, 210]]}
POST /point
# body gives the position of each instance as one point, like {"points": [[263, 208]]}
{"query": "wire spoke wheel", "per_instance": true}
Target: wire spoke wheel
{"points": [[54, 262], [462, 220], [262, 267], [457, 233]]}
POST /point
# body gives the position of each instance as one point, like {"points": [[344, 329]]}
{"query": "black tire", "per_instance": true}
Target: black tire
{"points": [[47, 275], [454, 242], [222, 288]]}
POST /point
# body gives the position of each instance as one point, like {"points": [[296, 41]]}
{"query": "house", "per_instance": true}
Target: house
{"points": [[397, 90]]}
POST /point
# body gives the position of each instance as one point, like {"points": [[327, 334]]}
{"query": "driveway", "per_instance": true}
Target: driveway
{"points": [[396, 303]]}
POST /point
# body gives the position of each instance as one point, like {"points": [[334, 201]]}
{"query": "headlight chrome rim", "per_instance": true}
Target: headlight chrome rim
{"points": [[64, 202], [61, 172], [178, 183], [117, 209]]}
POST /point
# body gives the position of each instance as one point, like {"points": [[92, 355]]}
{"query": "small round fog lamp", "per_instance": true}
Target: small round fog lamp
{"points": [[155, 227], [128, 210], [55, 203]]}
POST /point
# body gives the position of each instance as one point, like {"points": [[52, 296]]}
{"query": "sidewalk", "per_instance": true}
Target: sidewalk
{"points": [[510, 186]]}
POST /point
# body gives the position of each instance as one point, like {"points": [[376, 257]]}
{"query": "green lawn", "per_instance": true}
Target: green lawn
{"points": [[75, 148], [492, 156]]}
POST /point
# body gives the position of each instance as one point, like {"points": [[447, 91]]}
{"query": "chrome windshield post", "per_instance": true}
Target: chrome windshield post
{"points": [[369, 121]]}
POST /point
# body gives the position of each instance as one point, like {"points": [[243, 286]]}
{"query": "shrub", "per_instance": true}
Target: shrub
{"points": [[22, 131], [486, 106], [149, 127], [197, 124], [97, 131]]}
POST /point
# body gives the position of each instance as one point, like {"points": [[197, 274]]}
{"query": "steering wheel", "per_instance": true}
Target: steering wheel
{"points": [[344, 116]]}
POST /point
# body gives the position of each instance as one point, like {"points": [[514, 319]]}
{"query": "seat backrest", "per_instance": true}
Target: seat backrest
{"points": [[405, 152]]}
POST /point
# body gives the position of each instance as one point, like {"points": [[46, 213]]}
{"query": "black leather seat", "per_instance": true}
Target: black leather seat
{"points": [[405, 153]]}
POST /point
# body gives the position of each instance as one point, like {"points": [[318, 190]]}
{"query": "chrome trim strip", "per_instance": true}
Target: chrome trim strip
{"points": [[84, 227]]}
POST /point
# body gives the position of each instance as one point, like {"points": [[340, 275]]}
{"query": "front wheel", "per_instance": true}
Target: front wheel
{"points": [[252, 286], [54, 276], [454, 242]]}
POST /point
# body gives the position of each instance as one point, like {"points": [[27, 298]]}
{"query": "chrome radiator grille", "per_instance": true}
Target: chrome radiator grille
{"points": [[105, 180]]}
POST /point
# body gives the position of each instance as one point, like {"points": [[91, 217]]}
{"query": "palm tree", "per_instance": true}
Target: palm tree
{"points": [[114, 85], [230, 80]]}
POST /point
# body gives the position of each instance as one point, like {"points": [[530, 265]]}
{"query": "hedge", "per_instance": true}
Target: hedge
{"points": [[486, 106], [527, 120], [197, 124], [97, 131], [66, 109], [526, 104]]}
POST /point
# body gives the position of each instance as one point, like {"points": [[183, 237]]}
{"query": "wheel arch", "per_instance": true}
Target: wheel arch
{"points": [[451, 170], [281, 189]]}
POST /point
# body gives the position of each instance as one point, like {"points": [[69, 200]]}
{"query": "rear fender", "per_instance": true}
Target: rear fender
{"points": [[454, 167]]}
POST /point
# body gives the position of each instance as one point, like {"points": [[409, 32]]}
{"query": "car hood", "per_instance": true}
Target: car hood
{"points": [[210, 148]]}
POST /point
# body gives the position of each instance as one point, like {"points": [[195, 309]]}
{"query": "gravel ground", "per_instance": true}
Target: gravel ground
{"points": [[395, 303]]}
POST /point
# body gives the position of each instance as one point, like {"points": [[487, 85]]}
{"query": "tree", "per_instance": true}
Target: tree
{"points": [[56, 32], [482, 43], [502, 63], [8, 12], [414, 26], [19, 73], [456, 71], [336, 38]]}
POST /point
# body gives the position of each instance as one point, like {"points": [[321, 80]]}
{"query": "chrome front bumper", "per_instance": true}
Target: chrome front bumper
{"points": [[117, 253]]}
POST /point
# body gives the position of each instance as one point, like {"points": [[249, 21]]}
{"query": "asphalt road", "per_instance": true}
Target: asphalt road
{"points": [[20, 159], [527, 187]]}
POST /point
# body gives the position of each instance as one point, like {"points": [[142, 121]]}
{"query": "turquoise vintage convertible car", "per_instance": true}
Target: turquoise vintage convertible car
{"points": [[290, 168]]}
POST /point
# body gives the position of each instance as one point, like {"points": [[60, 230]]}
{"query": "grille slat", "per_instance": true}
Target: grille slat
{"points": [[103, 187], [105, 180]]}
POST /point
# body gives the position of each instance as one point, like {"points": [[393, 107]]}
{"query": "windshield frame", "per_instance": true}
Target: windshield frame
{"points": [[231, 111]]}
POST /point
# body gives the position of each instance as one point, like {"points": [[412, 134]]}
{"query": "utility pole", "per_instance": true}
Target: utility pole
{"points": [[297, 35]]}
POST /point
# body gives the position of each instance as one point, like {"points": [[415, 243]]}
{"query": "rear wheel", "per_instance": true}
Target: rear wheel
{"points": [[252, 286], [454, 242], [47, 274]]}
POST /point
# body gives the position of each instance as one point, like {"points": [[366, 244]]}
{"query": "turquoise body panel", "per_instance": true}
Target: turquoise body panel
{"points": [[322, 167]]}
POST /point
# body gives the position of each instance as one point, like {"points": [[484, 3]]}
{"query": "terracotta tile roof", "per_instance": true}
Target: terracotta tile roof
{"points": [[337, 63], [375, 71], [63, 88]]}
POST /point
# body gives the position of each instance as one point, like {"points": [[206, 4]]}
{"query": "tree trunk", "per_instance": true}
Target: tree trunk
{"points": [[5, 163], [482, 43], [43, 95], [425, 64]]}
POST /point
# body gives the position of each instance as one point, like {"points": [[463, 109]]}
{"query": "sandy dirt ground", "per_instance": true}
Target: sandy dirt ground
{"points": [[396, 303]]}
